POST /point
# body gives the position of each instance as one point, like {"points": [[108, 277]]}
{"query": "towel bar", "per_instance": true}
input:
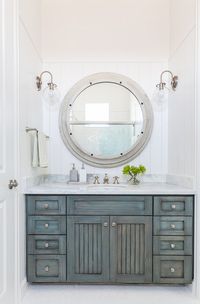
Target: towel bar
{"points": [[33, 129]]}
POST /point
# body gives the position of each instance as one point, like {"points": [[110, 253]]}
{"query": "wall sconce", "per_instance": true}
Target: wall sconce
{"points": [[50, 93], [174, 81]]}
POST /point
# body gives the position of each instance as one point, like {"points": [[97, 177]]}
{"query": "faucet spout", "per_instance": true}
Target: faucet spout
{"points": [[106, 179]]}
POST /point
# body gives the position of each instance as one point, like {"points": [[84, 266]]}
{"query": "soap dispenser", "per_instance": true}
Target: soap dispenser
{"points": [[73, 175], [82, 174]]}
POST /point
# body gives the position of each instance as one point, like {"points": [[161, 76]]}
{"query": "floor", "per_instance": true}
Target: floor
{"points": [[63, 294]]}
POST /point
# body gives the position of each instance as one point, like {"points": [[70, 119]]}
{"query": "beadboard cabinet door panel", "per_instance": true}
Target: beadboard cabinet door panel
{"points": [[88, 249], [131, 249]]}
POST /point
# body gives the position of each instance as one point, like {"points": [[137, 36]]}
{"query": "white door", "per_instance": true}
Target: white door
{"points": [[8, 151]]}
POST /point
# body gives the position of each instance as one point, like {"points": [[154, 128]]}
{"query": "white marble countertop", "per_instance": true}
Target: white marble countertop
{"points": [[123, 189]]}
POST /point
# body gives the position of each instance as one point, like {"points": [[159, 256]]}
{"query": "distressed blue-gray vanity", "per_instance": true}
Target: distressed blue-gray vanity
{"points": [[112, 239]]}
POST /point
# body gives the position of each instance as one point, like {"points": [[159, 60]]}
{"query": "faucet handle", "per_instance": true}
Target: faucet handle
{"points": [[116, 180], [96, 180]]}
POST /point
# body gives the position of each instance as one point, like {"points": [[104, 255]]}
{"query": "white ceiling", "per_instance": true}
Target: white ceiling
{"points": [[107, 30]]}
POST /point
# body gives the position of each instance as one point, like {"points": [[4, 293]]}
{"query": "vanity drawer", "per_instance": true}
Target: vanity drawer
{"points": [[47, 224], [172, 225], [172, 245], [172, 269], [46, 205], [46, 244], [42, 268], [109, 205], [173, 205]]}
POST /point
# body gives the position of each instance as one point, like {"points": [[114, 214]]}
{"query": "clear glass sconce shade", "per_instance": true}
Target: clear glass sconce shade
{"points": [[160, 98], [51, 96], [161, 94]]}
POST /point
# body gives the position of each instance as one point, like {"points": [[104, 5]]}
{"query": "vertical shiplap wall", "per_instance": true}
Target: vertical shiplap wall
{"points": [[66, 74], [181, 106]]}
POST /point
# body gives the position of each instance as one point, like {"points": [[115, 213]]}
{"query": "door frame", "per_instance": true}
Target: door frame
{"points": [[13, 14], [10, 42]]}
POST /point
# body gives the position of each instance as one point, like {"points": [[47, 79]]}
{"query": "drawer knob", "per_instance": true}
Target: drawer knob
{"points": [[173, 226], [172, 269], [46, 225], [46, 245], [114, 224], [46, 206], [105, 224], [173, 206], [172, 246], [46, 268]]}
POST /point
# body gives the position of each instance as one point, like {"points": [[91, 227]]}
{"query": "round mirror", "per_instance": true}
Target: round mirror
{"points": [[106, 120]]}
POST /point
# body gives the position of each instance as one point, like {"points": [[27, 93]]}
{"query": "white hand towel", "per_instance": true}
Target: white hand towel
{"points": [[35, 156], [42, 149]]}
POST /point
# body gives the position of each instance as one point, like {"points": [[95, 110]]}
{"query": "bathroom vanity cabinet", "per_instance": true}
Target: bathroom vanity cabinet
{"points": [[110, 239]]}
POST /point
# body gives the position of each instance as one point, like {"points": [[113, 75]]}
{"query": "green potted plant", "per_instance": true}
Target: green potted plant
{"points": [[134, 173]]}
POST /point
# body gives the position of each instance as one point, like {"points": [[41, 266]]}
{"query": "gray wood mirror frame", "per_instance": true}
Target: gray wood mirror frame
{"points": [[106, 120]]}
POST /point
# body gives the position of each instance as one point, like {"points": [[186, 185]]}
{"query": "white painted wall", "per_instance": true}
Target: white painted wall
{"points": [[30, 106], [101, 30], [181, 106], [66, 74]]}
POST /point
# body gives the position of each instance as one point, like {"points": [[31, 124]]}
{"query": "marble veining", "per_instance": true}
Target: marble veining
{"points": [[143, 188], [150, 184]]}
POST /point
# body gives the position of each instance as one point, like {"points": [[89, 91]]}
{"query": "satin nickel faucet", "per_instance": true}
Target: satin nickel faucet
{"points": [[96, 180], [106, 179], [116, 180]]}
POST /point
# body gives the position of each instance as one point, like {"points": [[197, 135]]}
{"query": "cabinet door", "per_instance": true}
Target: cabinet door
{"points": [[88, 248], [131, 249]]}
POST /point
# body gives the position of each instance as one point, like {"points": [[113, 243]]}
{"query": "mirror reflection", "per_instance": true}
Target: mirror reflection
{"points": [[105, 120]]}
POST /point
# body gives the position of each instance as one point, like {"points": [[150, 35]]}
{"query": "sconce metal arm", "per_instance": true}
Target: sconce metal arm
{"points": [[39, 81], [174, 81], [167, 71]]}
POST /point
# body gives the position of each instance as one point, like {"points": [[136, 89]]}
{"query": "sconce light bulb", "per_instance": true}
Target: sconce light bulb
{"points": [[161, 94], [160, 98], [51, 95]]}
